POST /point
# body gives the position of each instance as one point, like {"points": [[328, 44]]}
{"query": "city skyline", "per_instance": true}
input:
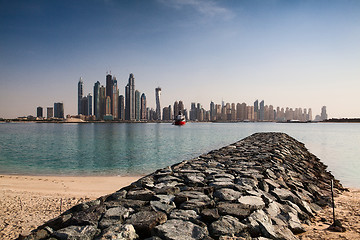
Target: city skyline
{"points": [[298, 53]]}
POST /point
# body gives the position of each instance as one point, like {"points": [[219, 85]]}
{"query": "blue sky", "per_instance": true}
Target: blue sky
{"points": [[288, 53]]}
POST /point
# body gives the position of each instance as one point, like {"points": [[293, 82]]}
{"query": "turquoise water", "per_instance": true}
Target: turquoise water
{"points": [[127, 149]]}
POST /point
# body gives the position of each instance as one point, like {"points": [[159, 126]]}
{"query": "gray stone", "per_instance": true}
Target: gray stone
{"points": [[210, 214], [264, 225], [145, 221], [175, 229], [119, 232], [251, 202], [119, 213], [87, 232], [168, 198], [159, 206], [233, 209], [144, 195], [226, 225], [185, 215], [227, 194]]}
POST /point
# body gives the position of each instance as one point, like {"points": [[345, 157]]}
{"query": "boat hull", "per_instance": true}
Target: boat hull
{"points": [[179, 123]]}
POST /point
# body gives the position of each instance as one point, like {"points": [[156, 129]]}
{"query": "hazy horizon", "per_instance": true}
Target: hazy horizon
{"points": [[288, 53]]}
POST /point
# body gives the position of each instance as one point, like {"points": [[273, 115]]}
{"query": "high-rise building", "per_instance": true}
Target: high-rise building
{"points": [[102, 99], [89, 104], [121, 107], [115, 100], [158, 108], [261, 111], [181, 107], [59, 110], [108, 106], [80, 95], [256, 110], [193, 112], [49, 112], [323, 115], [97, 103], [39, 112], [109, 85], [310, 115], [130, 99], [176, 108], [143, 107], [212, 111], [137, 105]]}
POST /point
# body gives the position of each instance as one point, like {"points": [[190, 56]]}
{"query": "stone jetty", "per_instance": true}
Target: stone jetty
{"points": [[265, 186]]}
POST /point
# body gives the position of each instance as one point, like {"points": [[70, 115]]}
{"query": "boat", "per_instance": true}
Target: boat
{"points": [[179, 120]]}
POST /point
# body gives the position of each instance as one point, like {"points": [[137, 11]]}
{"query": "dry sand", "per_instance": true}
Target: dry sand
{"points": [[28, 201]]}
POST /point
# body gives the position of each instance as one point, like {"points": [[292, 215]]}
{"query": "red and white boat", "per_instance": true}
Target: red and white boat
{"points": [[180, 120]]}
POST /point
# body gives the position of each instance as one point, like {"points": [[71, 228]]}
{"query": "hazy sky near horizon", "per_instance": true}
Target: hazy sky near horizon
{"points": [[288, 53]]}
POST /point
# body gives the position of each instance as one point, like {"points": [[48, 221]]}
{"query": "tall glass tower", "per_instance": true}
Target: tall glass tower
{"points": [[158, 108], [97, 112], [130, 99], [80, 95]]}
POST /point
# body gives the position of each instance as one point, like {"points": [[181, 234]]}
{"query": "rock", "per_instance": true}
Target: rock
{"points": [[226, 225], [175, 229], [144, 195], [260, 223], [121, 232], [118, 213], [145, 221], [185, 215], [251, 202], [227, 194], [210, 215], [233, 209], [87, 232], [159, 206]]}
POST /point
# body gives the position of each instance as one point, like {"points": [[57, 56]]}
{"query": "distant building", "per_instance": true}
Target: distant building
{"points": [[59, 110], [89, 104], [108, 106], [115, 99], [158, 108], [143, 107], [39, 112], [109, 86], [102, 99], [80, 95], [121, 107], [130, 99], [49, 112], [97, 103], [262, 111], [137, 105], [323, 115]]}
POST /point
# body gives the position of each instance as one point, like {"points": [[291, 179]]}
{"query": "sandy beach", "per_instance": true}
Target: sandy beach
{"points": [[28, 201]]}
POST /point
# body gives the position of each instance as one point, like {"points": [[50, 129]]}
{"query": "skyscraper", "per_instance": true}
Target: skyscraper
{"points": [[115, 99], [121, 107], [158, 108], [261, 111], [49, 112], [39, 112], [59, 110], [89, 104], [324, 115], [143, 107], [97, 111], [80, 94], [130, 99], [212, 111], [137, 105], [176, 108], [256, 110], [102, 99]]}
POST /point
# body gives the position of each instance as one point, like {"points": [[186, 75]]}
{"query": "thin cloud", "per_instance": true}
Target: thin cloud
{"points": [[207, 8]]}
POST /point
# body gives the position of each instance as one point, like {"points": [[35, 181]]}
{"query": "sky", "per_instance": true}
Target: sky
{"points": [[298, 54]]}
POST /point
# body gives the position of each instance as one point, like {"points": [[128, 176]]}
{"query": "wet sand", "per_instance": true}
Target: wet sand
{"points": [[28, 201]]}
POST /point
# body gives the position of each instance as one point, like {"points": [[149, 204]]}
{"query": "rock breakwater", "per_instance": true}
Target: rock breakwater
{"points": [[264, 186]]}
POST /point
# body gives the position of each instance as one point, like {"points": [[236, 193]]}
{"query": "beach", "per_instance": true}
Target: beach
{"points": [[26, 202]]}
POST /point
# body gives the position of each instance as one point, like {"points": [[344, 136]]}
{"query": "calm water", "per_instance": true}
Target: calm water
{"points": [[123, 149]]}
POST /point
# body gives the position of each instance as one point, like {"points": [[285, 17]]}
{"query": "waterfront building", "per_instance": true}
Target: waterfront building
{"points": [[193, 112], [158, 107], [262, 111], [108, 106], [80, 94], [143, 107], [323, 115], [130, 99], [49, 112], [115, 99], [109, 85], [271, 113], [212, 111], [39, 112], [176, 108], [102, 99], [167, 113], [233, 112], [89, 105], [59, 110], [137, 105], [97, 104], [256, 109], [185, 113], [310, 115], [181, 107], [121, 107]]}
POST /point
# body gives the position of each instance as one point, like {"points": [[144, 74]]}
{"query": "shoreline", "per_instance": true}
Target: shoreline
{"points": [[28, 201]]}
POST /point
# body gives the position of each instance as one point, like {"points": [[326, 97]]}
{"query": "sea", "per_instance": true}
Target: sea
{"points": [[108, 149]]}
